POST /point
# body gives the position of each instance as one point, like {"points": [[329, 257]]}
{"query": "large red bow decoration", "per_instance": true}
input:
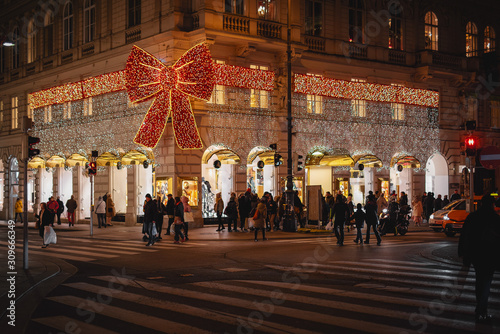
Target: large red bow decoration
{"points": [[148, 78]]}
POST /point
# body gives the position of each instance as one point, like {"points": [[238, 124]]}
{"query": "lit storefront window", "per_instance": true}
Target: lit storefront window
{"points": [[163, 188], [189, 188]]}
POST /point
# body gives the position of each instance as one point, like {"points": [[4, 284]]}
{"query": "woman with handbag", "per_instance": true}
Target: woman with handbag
{"points": [[110, 211], [188, 216], [259, 219], [44, 219]]}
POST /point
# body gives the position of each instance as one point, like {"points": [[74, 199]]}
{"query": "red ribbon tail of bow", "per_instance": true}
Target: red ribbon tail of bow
{"points": [[154, 122]]}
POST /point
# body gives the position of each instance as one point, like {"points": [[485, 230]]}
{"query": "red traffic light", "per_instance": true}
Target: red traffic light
{"points": [[471, 145], [32, 152], [93, 168]]}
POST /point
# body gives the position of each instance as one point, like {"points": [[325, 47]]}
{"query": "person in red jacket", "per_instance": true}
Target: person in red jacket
{"points": [[52, 207]]}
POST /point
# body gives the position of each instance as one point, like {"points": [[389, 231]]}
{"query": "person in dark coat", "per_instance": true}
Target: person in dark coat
{"points": [[272, 209], [479, 245], [46, 219], [371, 219], [170, 208], [438, 203], [359, 217], [244, 209], [446, 201], [159, 220], [150, 217], [429, 205], [455, 197], [60, 210], [178, 220], [71, 205], [231, 211], [341, 214]]}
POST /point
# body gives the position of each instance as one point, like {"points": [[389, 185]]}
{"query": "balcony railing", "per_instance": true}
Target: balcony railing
{"points": [[397, 57], [88, 49], [269, 29], [236, 24], [315, 43], [428, 57], [358, 51], [133, 35]]}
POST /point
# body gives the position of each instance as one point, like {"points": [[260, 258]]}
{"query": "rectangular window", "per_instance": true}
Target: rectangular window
{"points": [[234, 6], [219, 92], [314, 17], [30, 112], [47, 115], [89, 21], [266, 9], [134, 12], [15, 112], [67, 110], [358, 107], [314, 104], [259, 98], [87, 107], [495, 114], [2, 59], [398, 111], [1, 115]]}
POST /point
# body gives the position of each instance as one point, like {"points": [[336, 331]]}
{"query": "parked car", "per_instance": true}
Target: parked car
{"points": [[451, 218]]}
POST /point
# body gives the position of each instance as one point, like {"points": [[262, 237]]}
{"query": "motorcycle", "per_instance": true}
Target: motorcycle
{"points": [[394, 220]]}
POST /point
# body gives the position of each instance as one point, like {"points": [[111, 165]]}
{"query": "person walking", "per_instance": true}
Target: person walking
{"points": [[19, 210], [170, 208], [417, 210], [371, 219], [479, 245], [100, 210], [231, 211], [244, 210], [381, 204], [187, 211], [159, 220], [52, 207], [150, 216], [44, 219], [446, 201], [219, 208], [350, 206], [341, 214], [110, 210], [259, 219], [438, 203], [60, 210], [272, 208], [71, 207], [359, 217], [178, 220], [429, 205]]}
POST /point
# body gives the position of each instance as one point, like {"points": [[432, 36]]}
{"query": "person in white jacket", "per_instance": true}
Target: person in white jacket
{"points": [[100, 210]]}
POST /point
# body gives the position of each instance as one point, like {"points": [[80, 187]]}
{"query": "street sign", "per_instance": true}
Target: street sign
{"points": [[490, 157]]}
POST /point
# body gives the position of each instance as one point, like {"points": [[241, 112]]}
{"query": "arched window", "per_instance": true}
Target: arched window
{"points": [[15, 48], [314, 17], [489, 39], [356, 8], [31, 41], [431, 31], [470, 40], [89, 21], [134, 12], [68, 26], [266, 9], [48, 34], [395, 27]]}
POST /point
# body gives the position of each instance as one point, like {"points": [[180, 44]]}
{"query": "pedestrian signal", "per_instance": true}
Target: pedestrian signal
{"points": [[471, 145]]}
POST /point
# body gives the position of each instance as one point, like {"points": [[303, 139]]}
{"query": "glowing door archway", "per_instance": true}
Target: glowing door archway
{"points": [[436, 175]]}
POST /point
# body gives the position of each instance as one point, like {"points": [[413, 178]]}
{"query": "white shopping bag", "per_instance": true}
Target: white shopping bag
{"points": [[329, 226], [49, 236]]}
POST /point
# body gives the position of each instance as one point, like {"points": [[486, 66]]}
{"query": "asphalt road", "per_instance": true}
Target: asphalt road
{"points": [[227, 283]]}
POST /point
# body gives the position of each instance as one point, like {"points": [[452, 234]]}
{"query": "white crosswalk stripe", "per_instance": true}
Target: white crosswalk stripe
{"points": [[86, 250], [287, 306]]}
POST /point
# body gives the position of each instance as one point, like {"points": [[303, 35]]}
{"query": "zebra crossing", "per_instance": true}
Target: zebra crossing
{"points": [[386, 296], [86, 250]]}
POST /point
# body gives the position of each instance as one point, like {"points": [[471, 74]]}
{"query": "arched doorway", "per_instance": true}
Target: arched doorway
{"points": [[363, 176], [217, 172], [117, 186], [319, 170], [64, 177], [436, 175], [261, 171], [401, 174]]}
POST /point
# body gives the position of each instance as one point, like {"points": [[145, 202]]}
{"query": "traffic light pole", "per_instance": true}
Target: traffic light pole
{"points": [[25, 214], [472, 162]]}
